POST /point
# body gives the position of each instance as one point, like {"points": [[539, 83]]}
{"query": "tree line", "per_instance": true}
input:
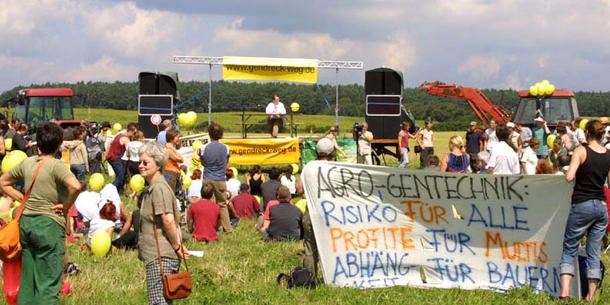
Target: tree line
{"points": [[252, 96]]}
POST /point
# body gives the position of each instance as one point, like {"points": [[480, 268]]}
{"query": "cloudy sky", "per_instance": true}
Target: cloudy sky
{"points": [[479, 43]]}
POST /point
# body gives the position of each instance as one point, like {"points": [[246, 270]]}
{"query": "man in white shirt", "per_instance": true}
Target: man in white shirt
{"points": [[275, 112], [490, 136], [503, 159]]}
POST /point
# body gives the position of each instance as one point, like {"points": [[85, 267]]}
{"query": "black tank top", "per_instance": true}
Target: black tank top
{"points": [[591, 176], [255, 186]]}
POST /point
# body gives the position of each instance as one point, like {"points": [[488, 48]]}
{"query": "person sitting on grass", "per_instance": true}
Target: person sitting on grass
{"points": [[244, 204], [194, 191], [232, 184], [204, 216], [289, 180], [103, 223], [285, 220]]}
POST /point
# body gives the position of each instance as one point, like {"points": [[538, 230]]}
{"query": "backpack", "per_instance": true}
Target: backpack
{"points": [[299, 277]]}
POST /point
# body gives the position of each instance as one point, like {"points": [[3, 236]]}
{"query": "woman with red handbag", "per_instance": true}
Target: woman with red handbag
{"points": [[160, 237], [52, 189]]}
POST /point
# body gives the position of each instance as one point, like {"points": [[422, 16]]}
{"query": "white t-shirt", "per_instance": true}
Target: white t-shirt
{"points": [[504, 160], [132, 150], [109, 192], [87, 205], [233, 187], [530, 159], [289, 183], [427, 138], [195, 188], [98, 224], [492, 139], [275, 110]]}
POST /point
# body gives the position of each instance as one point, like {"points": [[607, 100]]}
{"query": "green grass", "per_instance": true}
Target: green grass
{"points": [[241, 269]]}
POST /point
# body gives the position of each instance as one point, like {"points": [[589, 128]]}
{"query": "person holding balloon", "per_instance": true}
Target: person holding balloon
{"points": [[43, 225], [541, 131], [158, 212]]}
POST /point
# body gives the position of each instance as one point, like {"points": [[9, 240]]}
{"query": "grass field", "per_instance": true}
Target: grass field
{"points": [[241, 268]]}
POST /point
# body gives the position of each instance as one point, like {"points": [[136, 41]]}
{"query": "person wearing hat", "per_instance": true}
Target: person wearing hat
{"points": [[514, 137], [325, 150], [474, 144], [244, 204], [540, 132]]}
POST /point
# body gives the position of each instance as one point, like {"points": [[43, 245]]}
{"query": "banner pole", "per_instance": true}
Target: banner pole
{"points": [[210, 98], [337, 97]]}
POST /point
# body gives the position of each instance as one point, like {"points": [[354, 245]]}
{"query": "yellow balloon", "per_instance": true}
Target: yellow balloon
{"points": [[196, 145], [8, 143], [295, 107], [100, 243], [295, 168], [117, 127], [186, 181], [550, 89], [12, 159], [108, 132], [302, 205], [582, 125], [235, 171], [96, 182], [191, 118], [541, 89], [258, 198], [533, 90], [545, 82], [550, 140], [137, 183]]}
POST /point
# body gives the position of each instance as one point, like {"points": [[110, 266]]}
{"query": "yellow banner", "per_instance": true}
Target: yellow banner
{"points": [[266, 68], [263, 151]]}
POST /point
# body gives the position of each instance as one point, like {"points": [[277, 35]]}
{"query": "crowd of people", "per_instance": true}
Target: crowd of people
{"points": [[216, 199]]}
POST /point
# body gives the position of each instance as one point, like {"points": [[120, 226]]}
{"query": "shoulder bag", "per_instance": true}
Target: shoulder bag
{"points": [[10, 245], [178, 285]]}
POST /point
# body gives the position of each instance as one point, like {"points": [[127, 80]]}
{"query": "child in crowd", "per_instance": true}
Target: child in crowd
{"points": [[137, 139], [79, 158], [289, 180], [103, 223]]}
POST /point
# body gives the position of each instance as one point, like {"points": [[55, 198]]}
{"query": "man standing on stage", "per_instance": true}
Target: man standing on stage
{"points": [[275, 111]]}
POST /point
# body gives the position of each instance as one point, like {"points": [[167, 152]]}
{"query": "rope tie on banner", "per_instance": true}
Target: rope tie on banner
{"points": [[198, 94], [323, 96]]}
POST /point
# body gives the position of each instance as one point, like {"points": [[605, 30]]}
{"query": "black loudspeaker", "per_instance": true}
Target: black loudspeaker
{"points": [[383, 81], [156, 83], [385, 127]]}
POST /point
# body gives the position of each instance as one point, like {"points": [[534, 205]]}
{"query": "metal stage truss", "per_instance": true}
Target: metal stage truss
{"points": [[322, 64]]}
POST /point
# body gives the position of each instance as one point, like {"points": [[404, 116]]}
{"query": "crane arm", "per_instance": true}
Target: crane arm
{"points": [[482, 106]]}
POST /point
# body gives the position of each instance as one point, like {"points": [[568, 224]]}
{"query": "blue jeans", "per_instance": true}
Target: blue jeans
{"points": [[79, 170], [119, 166], [405, 157], [589, 217]]}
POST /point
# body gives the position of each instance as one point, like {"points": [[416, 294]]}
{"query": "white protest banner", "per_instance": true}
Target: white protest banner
{"points": [[380, 227]]}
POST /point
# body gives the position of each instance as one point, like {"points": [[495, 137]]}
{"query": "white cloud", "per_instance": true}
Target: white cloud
{"points": [[104, 69], [481, 67], [133, 32], [396, 51]]}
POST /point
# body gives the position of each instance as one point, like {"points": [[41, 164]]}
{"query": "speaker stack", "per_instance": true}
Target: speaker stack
{"points": [[151, 84], [383, 88]]}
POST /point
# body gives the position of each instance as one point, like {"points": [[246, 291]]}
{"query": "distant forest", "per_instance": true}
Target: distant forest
{"points": [[236, 96]]}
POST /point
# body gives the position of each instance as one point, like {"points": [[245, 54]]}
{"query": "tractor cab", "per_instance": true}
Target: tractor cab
{"points": [[557, 107], [37, 106]]}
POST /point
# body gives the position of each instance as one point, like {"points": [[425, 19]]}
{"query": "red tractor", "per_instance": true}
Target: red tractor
{"points": [[36, 106], [554, 108]]}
